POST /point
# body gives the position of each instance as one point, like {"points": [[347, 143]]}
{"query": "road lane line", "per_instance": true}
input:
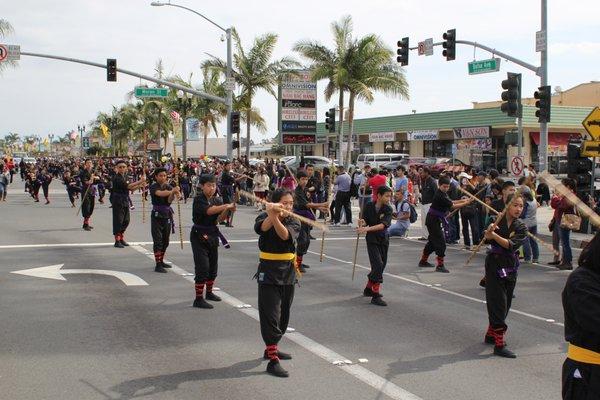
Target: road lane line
{"points": [[361, 373], [440, 289]]}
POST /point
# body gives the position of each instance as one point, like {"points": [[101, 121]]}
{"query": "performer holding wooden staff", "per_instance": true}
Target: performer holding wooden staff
{"points": [[176, 178], [144, 173]]}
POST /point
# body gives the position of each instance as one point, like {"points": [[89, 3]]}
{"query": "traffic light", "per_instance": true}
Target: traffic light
{"points": [[579, 170], [402, 51], [512, 96], [111, 69], [544, 96], [235, 122], [235, 144], [449, 45], [330, 120]]}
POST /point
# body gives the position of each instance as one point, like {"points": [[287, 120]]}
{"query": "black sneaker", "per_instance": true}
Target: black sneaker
{"points": [[162, 263], [201, 303], [368, 292], [87, 228], [489, 340], [378, 301], [425, 264], [118, 244], [302, 269], [212, 297], [482, 282], [554, 263], [160, 268], [274, 368], [441, 268], [124, 243], [281, 355], [305, 266], [504, 352], [565, 266]]}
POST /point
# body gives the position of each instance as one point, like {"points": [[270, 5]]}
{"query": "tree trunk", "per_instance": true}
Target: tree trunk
{"points": [[205, 138], [350, 129], [159, 125], [248, 131], [340, 156]]}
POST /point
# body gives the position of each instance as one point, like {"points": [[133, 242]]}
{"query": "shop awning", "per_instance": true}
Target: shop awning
{"points": [[555, 138]]}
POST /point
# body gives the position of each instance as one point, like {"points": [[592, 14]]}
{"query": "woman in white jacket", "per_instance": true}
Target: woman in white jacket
{"points": [[261, 185]]}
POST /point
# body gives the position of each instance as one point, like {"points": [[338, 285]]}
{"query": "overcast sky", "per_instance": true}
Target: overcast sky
{"points": [[43, 96]]}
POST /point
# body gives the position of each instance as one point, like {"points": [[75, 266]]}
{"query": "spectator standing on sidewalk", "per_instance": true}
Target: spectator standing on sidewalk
{"points": [[469, 214], [342, 196], [562, 206], [529, 216]]}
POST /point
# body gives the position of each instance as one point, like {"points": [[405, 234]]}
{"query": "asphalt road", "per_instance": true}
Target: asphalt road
{"points": [[91, 336]]}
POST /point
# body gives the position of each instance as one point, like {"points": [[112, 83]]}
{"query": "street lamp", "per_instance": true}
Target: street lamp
{"points": [[185, 103], [229, 69], [81, 130], [51, 137]]}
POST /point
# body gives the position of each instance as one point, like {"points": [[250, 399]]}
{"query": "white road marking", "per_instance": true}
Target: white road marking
{"points": [[440, 289], [101, 244], [370, 378], [55, 272]]}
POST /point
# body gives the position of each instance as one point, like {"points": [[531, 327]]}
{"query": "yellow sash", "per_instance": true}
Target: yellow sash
{"points": [[277, 256], [580, 354]]}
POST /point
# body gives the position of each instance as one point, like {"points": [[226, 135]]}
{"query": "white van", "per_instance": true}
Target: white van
{"points": [[375, 160]]}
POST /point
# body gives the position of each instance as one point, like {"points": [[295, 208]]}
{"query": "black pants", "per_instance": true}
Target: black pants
{"points": [[378, 259], [473, 221], [120, 214], [36, 190], [585, 388], [498, 293], [274, 303], [161, 232], [436, 242], [303, 239], [87, 206], [342, 199], [45, 190], [206, 256]]}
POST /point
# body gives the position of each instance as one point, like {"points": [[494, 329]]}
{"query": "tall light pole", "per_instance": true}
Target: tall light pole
{"points": [[51, 137], [543, 147], [81, 130], [185, 102], [228, 73]]}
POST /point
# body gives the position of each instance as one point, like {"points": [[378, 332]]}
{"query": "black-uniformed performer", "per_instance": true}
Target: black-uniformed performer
{"points": [[161, 217], [88, 193], [227, 190], [581, 303], [71, 186], [119, 199], [501, 267], [437, 225], [276, 274], [46, 180], [304, 206], [376, 219], [208, 212]]}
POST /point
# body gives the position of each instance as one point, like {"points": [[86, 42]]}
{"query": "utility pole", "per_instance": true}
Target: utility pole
{"points": [[543, 148], [229, 97]]}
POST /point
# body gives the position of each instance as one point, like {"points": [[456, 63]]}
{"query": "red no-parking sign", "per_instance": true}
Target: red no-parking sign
{"points": [[517, 165]]}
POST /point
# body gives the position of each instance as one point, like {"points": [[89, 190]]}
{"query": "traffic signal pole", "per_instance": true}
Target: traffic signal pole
{"points": [[543, 74]]}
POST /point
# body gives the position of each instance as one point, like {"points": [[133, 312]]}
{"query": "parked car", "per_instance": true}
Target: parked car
{"points": [[375, 160], [317, 161], [255, 162], [439, 164]]}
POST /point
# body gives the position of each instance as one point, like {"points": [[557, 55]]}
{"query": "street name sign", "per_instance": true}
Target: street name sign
{"points": [[591, 148], [145, 92], [591, 123], [484, 66]]}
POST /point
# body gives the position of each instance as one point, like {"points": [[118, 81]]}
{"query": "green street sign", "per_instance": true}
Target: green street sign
{"points": [[484, 66], [151, 92]]}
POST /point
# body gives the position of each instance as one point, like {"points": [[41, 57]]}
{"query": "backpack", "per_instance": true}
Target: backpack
{"points": [[413, 212], [353, 186]]}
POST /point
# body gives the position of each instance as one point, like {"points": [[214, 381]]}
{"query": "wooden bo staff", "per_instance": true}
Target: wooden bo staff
{"points": [[461, 189], [244, 176], [176, 176], [583, 208], [329, 201], [360, 213], [300, 218], [540, 241], [495, 224]]}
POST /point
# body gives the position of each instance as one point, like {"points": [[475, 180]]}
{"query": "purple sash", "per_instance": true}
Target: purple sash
{"points": [[163, 208], [213, 230], [501, 251], [442, 217], [306, 213]]}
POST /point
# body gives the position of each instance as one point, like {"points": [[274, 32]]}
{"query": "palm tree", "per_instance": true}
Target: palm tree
{"points": [[357, 66], [371, 67], [209, 112], [12, 138], [331, 64], [253, 71], [6, 29]]}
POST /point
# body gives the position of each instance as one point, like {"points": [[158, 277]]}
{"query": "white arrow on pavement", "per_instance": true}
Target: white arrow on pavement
{"points": [[55, 272]]}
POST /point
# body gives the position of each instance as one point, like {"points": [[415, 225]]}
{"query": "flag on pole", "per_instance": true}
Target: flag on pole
{"points": [[46, 142], [175, 116], [104, 129]]}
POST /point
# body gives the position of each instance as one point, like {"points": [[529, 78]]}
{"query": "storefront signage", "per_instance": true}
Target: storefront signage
{"points": [[476, 132], [474, 144], [297, 109], [423, 135], [382, 137]]}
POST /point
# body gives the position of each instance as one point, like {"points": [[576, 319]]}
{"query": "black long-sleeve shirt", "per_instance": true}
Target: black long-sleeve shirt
{"points": [[581, 303]]}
